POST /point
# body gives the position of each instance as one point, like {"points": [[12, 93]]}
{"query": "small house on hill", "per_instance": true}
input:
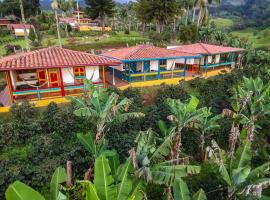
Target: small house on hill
{"points": [[18, 29], [213, 56], [5, 22]]}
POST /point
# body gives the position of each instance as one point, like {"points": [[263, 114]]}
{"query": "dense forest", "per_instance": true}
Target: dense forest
{"points": [[249, 13]]}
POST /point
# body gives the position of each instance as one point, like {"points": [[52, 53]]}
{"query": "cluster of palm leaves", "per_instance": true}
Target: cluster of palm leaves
{"points": [[158, 158]]}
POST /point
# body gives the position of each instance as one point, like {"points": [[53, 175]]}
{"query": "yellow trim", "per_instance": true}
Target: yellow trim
{"points": [[172, 81], [4, 109], [156, 73]]}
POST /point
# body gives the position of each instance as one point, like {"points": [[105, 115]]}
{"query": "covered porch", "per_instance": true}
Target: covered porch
{"points": [[152, 70], [38, 84], [51, 73]]}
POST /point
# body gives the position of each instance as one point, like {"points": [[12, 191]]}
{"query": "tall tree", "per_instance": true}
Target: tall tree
{"points": [[54, 6], [100, 9], [141, 8], [65, 6], [203, 10], [24, 22], [12, 7], [159, 11]]}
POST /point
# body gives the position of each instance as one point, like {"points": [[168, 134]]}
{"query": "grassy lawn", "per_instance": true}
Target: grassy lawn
{"points": [[259, 38], [223, 23], [85, 42]]}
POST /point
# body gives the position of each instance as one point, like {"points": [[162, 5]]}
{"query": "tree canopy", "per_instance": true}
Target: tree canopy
{"points": [[12, 7]]}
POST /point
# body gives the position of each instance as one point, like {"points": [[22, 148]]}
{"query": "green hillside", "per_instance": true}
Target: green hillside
{"points": [[259, 38]]}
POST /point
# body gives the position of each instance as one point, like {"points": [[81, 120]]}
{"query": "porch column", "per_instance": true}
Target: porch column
{"points": [[144, 78], [113, 77], [10, 86], [185, 69], [62, 82], [158, 69], [199, 69], [206, 65], [104, 76]]}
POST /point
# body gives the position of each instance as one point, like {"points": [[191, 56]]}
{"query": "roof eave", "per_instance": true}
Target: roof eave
{"points": [[161, 58], [60, 66]]}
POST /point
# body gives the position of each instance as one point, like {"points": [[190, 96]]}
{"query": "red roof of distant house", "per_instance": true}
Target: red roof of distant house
{"points": [[202, 48], [21, 26], [67, 19], [53, 57], [140, 52], [5, 21]]}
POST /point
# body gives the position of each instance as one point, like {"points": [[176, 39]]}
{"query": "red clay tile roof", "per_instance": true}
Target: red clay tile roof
{"points": [[145, 52], [53, 57], [21, 26], [202, 48], [67, 20]]}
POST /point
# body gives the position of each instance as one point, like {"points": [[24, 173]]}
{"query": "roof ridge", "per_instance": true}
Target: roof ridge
{"points": [[202, 45], [138, 47]]}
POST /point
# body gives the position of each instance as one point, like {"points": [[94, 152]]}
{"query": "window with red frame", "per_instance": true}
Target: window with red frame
{"points": [[79, 73]]}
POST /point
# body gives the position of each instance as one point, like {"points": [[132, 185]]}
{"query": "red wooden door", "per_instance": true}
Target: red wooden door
{"points": [[42, 77], [54, 77]]}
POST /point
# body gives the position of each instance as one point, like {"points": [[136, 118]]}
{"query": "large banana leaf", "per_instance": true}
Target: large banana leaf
{"points": [[20, 191], [180, 190], [113, 159], [259, 172], [200, 195], [193, 104], [103, 180], [124, 186], [240, 175], [137, 190], [243, 155], [168, 174], [87, 141], [91, 192], [224, 174], [59, 176], [163, 149]]}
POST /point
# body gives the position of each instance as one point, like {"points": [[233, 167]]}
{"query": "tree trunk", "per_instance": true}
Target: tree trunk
{"points": [[158, 27], [103, 25], [58, 29], [174, 25], [187, 15], [175, 151], [88, 174], [194, 15], [69, 174], [24, 22], [202, 146], [143, 27], [199, 17]]}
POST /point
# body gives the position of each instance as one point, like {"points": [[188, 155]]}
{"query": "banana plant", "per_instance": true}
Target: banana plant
{"points": [[106, 186], [250, 103], [236, 172], [21, 191], [184, 114], [150, 160], [102, 109], [181, 192], [206, 123], [112, 181]]}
